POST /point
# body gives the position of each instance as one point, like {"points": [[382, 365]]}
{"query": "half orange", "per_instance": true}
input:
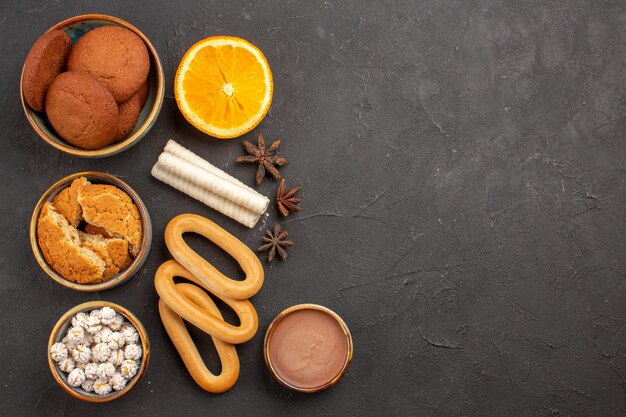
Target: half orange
{"points": [[224, 86]]}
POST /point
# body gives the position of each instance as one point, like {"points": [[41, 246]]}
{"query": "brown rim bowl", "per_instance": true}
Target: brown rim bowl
{"points": [[75, 27], [122, 276], [272, 327], [61, 327]]}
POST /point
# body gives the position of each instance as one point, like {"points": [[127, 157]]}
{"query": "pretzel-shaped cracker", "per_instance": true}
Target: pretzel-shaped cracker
{"points": [[191, 303]]}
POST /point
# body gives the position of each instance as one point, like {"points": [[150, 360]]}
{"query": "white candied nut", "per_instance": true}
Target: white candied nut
{"points": [[76, 377], [71, 344], [80, 320], [129, 368], [66, 365], [88, 385], [102, 386], [95, 313], [91, 370], [236, 212], [132, 352], [58, 351], [117, 357], [117, 381], [81, 354], [102, 336], [93, 325], [117, 322], [76, 335], [101, 352], [88, 339], [107, 314], [130, 333], [105, 370], [116, 340]]}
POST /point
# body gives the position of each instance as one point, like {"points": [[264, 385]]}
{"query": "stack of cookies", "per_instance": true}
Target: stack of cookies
{"points": [[92, 92]]}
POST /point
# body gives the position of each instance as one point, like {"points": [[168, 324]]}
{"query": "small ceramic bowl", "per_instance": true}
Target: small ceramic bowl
{"points": [[268, 340], [75, 27], [122, 276], [58, 332]]}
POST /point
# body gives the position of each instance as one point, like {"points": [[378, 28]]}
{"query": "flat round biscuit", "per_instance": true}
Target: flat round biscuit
{"points": [[115, 56], [109, 207], [129, 111], [66, 203], [114, 252], [44, 62], [82, 110], [60, 245]]}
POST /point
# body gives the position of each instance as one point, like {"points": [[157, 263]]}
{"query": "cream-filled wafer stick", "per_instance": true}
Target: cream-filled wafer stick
{"points": [[228, 208], [213, 183], [185, 154]]}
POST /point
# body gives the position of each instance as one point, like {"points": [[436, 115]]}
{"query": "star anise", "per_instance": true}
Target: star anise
{"points": [[287, 202], [264, 157], [276, 241]]}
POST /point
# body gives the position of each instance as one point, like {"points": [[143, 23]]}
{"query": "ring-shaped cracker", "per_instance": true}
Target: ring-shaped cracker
{"points": [[197, 315], [185, 346], [210, 278]]}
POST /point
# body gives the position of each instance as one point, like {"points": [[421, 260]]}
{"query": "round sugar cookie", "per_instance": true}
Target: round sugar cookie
{"points": [[129, 111], [44, 62], [115, 56], [82, 110]]}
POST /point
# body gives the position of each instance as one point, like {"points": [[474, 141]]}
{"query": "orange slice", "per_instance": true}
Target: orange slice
{"points": [[224, 86]]}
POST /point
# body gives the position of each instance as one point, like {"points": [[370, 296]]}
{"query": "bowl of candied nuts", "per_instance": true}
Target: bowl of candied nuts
{"points": [[98, 351]]}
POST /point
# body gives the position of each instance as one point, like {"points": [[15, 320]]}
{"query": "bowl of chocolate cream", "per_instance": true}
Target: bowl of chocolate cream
{"points": [[308, 348]]}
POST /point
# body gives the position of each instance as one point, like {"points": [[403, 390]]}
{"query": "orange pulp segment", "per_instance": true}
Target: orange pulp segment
{"points": [[224, 86]]}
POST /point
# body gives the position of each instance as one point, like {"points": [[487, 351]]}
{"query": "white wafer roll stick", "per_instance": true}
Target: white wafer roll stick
{"points": [[228, 208], [186, 155], [213, 183]]}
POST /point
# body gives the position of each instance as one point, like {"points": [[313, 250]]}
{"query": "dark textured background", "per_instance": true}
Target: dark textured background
{"points": [[463, 169]]}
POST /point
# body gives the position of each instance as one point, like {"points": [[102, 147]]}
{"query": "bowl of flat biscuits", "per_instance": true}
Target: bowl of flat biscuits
{"points": [[92, 85], [90, 231]]}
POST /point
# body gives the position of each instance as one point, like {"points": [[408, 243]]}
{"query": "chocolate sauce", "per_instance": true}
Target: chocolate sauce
{"points": [[308, 348]]}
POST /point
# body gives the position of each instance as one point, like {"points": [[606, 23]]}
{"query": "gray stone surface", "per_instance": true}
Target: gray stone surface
{"points": [[463, 171]]}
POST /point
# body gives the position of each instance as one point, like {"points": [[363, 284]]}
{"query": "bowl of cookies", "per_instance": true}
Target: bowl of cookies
{"points": [[90, 231], [92, 85], [98, 351]]}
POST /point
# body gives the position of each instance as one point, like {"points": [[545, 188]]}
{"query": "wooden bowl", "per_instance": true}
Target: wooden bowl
{"points": [[268, 338], [75, 27], [120, 277], [58, 332]]}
